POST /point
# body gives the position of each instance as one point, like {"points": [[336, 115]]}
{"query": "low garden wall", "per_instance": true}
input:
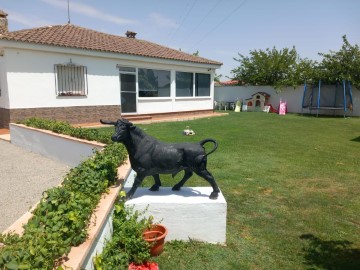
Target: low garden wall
{"points": [[66, 149], [72, 151]]}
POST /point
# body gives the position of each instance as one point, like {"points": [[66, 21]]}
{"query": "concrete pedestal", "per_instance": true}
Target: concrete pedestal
{"points": [[188, 213]]}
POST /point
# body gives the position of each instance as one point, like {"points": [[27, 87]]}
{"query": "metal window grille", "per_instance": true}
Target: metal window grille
{"points": [[71, 80]]}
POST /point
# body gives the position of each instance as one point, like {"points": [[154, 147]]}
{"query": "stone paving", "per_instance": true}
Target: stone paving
{"points": [[23, 178]]}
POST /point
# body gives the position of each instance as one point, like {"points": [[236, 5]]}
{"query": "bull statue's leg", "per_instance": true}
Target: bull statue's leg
{"points": [[204, 173], [138, 179], [157, 185], [187, 175]]}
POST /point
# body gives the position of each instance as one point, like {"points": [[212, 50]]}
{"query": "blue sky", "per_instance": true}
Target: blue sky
{"points": [[218, 29]]}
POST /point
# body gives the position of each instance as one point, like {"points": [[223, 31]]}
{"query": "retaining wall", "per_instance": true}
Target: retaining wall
{"points": [[72, 151], [69, 150]]}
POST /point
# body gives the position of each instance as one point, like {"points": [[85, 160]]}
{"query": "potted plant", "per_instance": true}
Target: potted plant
{"points": [[155, 235]]}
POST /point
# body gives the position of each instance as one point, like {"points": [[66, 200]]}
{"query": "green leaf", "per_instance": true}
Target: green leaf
{"points": [[24, 266], [13, 265]]}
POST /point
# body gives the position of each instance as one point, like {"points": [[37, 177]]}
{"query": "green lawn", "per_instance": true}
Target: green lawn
{"points": [[292, 184]]}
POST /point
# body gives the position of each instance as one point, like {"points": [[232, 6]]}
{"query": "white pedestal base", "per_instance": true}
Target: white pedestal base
{"points": [[188, 213]]}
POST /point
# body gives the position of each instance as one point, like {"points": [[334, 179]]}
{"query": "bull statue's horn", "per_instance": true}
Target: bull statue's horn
{"points": [[105, 122], [126, 122]]}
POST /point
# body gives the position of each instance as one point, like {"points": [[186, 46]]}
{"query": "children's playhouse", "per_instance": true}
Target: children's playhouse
{"points": [[257, 102]]}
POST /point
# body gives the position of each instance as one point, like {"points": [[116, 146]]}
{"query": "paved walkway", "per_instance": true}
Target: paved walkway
{"points": [[23, 178]]}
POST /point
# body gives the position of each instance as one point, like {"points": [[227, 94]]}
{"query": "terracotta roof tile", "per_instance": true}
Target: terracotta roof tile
{"points": [[228, 83], [72, 36]]}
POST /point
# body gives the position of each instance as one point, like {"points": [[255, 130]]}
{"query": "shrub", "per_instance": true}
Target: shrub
{"points": [[126, 244], [61, 218], [61, 127]]}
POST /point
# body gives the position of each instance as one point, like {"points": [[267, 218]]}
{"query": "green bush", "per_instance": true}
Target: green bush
{"points": [[61, 218], [61, 127], [126, 244]]}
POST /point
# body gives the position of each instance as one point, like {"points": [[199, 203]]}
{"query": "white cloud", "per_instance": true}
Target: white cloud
{"points": [[161, 21], [88, 11], [26, 20]]}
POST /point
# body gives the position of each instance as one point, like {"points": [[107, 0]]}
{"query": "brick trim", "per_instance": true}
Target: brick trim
{"points": [[73, 115], [4, 118]]}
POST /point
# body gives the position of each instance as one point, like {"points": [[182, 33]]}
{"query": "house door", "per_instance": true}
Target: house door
{"points": [[128, 92]]}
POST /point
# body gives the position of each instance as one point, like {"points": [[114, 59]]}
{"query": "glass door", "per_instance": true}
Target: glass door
{"points": [[128, 90], [128, 93]]}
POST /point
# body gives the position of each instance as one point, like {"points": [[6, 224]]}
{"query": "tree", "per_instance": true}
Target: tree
{"points": [[285, 68], [306, 70], [217, 77], [341, 65], [277, 68]]}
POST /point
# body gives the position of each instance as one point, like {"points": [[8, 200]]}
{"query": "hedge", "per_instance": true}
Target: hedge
{"points": [[62, 217]]}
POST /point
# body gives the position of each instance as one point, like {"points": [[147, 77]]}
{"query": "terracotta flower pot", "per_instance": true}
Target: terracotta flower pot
{"points": [[144, 266], [155, 236]]}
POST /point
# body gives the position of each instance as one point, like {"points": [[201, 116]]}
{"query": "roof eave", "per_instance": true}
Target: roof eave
{"points": [[5, 43]]}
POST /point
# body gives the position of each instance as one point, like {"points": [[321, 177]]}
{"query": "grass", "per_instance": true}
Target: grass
{"points": [[292, 184]]}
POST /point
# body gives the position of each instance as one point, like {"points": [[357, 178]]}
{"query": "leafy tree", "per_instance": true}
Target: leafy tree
{"points": [[282, 68], [306, 69], [277, 68], [341, 65], [217, 77]]}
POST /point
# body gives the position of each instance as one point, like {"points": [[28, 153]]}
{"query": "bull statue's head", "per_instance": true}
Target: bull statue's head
{"points": [[122, 128]]}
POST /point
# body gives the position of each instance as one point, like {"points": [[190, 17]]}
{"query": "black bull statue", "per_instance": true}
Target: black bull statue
{"points": [[151, 157]]}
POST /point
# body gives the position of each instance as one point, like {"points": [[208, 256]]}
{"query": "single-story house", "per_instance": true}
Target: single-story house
{"points": [[72, 73]]}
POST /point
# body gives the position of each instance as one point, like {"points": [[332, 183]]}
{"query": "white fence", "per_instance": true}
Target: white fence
{"points": [[293, 97]]}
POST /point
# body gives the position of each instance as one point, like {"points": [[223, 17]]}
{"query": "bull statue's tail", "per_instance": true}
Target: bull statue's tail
{"points": [[206, 141]]}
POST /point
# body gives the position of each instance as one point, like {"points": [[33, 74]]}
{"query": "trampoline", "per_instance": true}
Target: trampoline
{"points": [[323, 98]]}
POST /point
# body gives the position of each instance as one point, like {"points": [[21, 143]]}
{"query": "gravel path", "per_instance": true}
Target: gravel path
{"points": [[23, 178]]}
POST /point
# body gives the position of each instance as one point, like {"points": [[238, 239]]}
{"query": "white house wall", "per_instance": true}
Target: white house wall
{"points": [[31, 80], [4, 98], [36, 89]]}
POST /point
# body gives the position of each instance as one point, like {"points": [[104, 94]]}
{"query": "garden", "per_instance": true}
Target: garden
{"points": [[291, 183], [292, 187]]}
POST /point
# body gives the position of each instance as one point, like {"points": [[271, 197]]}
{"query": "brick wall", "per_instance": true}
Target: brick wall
{"points": [[4, 118], [74, 115]]}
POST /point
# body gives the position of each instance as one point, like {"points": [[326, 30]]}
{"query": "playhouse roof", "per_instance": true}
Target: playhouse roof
{"points": [[72, 36], [266, 95]]}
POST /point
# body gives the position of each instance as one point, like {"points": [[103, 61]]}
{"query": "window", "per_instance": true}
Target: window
{"points": [[184, 84], [71, 80], [124, 69], [202, 85], [154, 83]]}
